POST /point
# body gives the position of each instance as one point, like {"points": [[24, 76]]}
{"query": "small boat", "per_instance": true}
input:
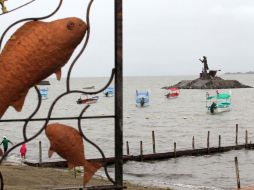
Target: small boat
{"points": [[109, 92], [142, 98], [44, 82], [87, 100], [172, 92], [44, 92], [89, 87], [221, 102]]}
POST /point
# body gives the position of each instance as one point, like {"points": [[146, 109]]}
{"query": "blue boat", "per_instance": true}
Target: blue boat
{"points": [[109, 91], [44, 92], [142, 98]]}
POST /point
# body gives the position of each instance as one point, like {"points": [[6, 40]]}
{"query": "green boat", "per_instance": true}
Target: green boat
{"points": [[221, 102]]}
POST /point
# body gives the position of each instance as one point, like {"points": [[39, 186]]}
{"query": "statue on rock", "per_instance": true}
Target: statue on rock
{"points": [[205, 64]]}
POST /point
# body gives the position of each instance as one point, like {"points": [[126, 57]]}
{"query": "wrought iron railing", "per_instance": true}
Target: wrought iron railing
{"points": [[117, 182]]}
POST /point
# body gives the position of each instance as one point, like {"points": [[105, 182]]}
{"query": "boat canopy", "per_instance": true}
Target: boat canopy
{"points": [[219, 96], [142, 93], [109, 89], [173, 89]]}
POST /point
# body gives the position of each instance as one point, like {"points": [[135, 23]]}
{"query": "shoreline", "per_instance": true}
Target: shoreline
{"points": [[23, 177]]}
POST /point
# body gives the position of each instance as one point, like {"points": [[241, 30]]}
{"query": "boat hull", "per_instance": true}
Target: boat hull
{"points": [[219, 110], [88, 100], [142, 105]]}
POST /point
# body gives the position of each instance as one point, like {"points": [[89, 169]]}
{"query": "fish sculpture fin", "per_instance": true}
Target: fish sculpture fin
{"points": [[18, 104], [70, 165], [50, 152], [90, 168], [58, 74]]}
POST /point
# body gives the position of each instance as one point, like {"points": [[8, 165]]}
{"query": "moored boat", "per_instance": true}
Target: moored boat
{"points": [[142, 98], [88, 100], [172, 92], [221, 102], [43, 92], [109, 92]]}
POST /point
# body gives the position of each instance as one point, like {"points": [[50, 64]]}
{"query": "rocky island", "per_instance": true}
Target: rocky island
{"points": [[208, 80]]}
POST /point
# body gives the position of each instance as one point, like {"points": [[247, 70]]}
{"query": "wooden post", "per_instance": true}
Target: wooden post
{"points": [[208, 142], [141, 151], [193, 142], [75, 173], [127, 148], [219, 141], [246, 138], [153, 136], [236, 134], [40, 153], [237, 173], [175, 149]]}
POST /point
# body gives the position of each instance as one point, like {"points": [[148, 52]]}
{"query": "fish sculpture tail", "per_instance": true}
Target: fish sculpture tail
{"points": [[90, 169]]}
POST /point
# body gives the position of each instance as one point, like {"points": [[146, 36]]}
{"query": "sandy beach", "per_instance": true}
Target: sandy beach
{"points": [[22, 177]]}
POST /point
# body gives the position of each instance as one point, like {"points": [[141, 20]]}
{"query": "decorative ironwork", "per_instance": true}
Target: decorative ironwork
{"points": [[118, 116]]}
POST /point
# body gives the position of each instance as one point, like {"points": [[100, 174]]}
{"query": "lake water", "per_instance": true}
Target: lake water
{"points": [[175, 120]]}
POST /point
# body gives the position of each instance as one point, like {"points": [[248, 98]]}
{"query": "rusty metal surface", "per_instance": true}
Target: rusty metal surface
{"points": [[118, 115]]}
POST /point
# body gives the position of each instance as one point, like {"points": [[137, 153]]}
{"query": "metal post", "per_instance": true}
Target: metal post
{"points": [[208, 142], [175, 149], [40, 153], [246, 138], [219, 141], [236, 134], [127, 148], [153, 137], [237, 173], [119, 93], [193, 142], [141, 151]]}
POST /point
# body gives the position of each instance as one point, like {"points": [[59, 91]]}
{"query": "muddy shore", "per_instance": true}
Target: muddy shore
{"points": [[22, 177]]}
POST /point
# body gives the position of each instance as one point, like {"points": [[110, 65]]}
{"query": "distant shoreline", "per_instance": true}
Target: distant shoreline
{"points": [[235, 73]]}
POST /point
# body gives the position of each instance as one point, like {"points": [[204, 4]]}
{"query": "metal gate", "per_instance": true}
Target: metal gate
{"points": [[117, 182]]}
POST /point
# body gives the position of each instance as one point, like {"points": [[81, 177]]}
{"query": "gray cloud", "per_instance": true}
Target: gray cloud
{"points": [[161, 37]]}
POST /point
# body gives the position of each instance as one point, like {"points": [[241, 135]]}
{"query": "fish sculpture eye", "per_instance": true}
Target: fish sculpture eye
{"points": [[70, 25]]}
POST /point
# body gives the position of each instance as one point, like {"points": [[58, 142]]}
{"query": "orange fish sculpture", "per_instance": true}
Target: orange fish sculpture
{"points": [[68, 143], [34, 52]]}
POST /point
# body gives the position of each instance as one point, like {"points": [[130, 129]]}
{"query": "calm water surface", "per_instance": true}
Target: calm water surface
{"points": [[175, 120]]}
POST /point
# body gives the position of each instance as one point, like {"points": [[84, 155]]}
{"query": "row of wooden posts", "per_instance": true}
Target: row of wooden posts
{"points": [[193, 142], [175, 153], [246, 145]]}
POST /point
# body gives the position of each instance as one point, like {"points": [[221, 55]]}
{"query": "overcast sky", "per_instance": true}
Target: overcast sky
{"points": [[161, 37]]}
